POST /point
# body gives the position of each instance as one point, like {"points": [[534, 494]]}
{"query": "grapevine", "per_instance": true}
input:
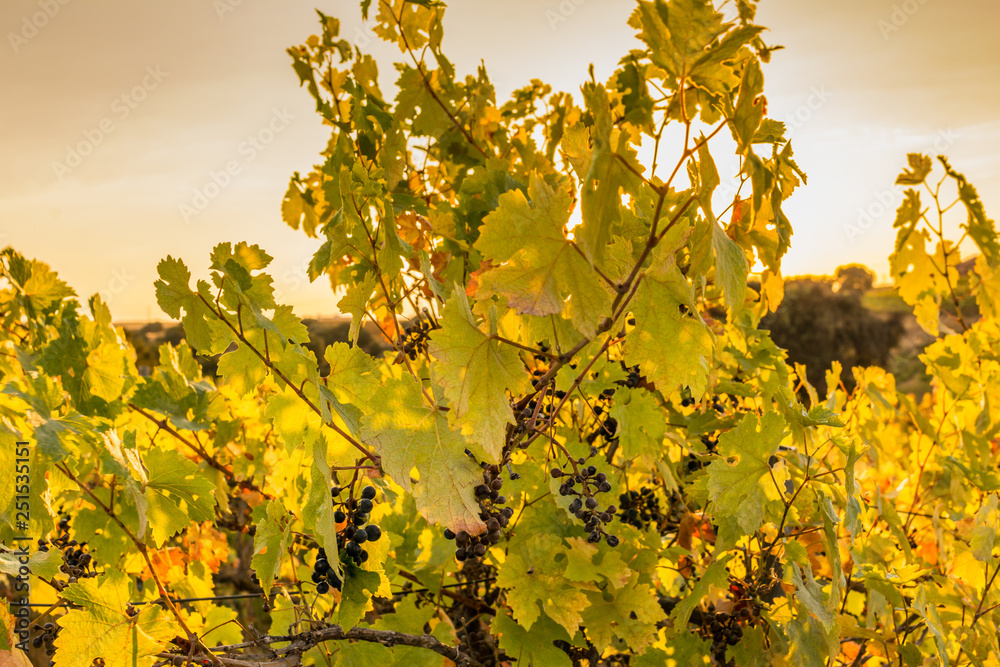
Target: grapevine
{"points": [[579, 447]]}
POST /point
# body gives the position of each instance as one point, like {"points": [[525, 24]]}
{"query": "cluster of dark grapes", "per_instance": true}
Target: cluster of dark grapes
{"points": [[726, 629], [415, 337], [639, 508], [607, 427], [717, 405], [471, 626], [46, 635], [524, 417], [77, 563], [693, 462], [490, 511], [324, 575], [585, 505], [633, 379], [356, 532]]}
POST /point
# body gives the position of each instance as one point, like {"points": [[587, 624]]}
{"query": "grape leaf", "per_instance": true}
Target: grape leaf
{"points": [[353, 376], [407, 433], [736, 488], [531, 648], [534, 264], [671, 348], [102, 629], [630, 613], [984, 532], [716, 575], [177, 493], [269, 543], [355, 302], [535, 582], [201, 328], [317, 511], [476, 371]]}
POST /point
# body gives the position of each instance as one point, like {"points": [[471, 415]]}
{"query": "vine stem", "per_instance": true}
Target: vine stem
{"points": [[986, 591], [192, 637], [302, 642]]}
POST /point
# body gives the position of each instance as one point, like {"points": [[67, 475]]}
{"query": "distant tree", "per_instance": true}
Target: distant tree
{"points": [[853, 278], [818, 326]]}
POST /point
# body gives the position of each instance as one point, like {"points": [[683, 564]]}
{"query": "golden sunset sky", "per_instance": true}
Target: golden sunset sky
{"points": [[162, 95]]}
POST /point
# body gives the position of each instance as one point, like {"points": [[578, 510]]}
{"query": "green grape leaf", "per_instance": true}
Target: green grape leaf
{"points": [[317, 512], [177, 493], [102, 629], [36, 286], [41, 563], [535, 582], [356, 596], [531, 648], [731, 269], [630, 613], [407, 433], [606, 176], [274, 534], [684, 649], [476, 371], [929, 613], [581, 566], [671, 347], [241, 368], [353, 376], [640, 423], [535, 266], [201, 328], [737, 488], [296, 423]]}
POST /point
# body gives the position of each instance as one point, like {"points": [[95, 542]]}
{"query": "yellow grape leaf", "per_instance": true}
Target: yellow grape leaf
{"points": [[535, 265], [922, 280], [475, 371], [984, 534], [408, 434], [10, 656], [102, 629], [355, 302]]}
